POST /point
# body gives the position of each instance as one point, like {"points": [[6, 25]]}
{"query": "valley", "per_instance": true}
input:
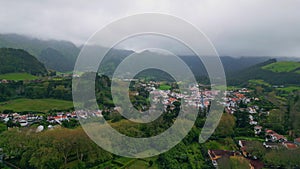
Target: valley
{"points": [[39, 127]]}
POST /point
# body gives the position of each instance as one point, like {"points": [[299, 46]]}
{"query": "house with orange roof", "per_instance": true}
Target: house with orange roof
{"points": [[274, 137], [289, 145]]}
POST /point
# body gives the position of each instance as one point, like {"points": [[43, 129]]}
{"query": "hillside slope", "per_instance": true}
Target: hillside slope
{"points": [[54, 60], [65, 50], [285, 66], [271, 71], [230, 64], [19, 61]]}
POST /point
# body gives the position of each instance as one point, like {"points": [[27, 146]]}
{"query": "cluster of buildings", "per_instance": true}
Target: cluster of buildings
{"points": [[28, 119], [232, 104], [23, 120], [273, 140], [277, 141], [191, 96], [85, 114]]}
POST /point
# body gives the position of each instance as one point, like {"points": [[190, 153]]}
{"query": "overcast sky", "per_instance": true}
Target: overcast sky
{"points": [[236, 27]]}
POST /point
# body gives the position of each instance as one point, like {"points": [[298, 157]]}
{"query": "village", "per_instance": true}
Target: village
{"points": [[193, 97]]}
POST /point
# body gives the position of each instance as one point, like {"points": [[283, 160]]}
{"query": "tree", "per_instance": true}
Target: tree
{"points": [[283, 157], [3, 127], [51, 148], [46, 157], [150, 163], [226, 126], [72, 123], [176, 158], [256, 148]]}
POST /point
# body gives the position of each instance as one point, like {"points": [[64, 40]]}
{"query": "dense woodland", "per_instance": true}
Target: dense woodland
{"points": [[59, 89]]}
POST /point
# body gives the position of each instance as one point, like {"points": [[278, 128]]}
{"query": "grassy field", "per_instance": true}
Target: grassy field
{"points": [[249, 138], [35, 105], [289, 88], [259, 82], [282, 66], [17, 76], [217, 145], [164, 87]]}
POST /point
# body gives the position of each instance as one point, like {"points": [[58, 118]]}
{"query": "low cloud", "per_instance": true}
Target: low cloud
{"points": [[236, 28]]}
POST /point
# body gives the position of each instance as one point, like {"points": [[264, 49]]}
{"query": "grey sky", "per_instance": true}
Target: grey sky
{"points": [[236, 27]]}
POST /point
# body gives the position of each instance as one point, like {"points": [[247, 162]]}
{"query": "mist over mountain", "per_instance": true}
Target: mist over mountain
{"points": [[61, 56], [65, 51]]}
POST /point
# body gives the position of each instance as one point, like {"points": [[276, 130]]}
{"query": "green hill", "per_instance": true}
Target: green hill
{"points": [[19, 61], [65, 51], [54, 60], [286, 66], [271, 71]]}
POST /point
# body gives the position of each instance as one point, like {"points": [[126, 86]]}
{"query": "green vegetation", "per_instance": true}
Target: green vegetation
{"points": [[239, 162], [164, 87], [19, 61], [226, 144], [234, 162], [59, 148], [226, 126], [71, 124], [282, 66], [232, 88], [35, 105], [18, 76], [249, 138], [2, 127], [259, 82], [282, 75], [183, 156], [142, 164], [70, 148], [289, 89], [35, 47], [283, 157], [294, 115], [56, 89], [297, 71], [54, 60]]}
